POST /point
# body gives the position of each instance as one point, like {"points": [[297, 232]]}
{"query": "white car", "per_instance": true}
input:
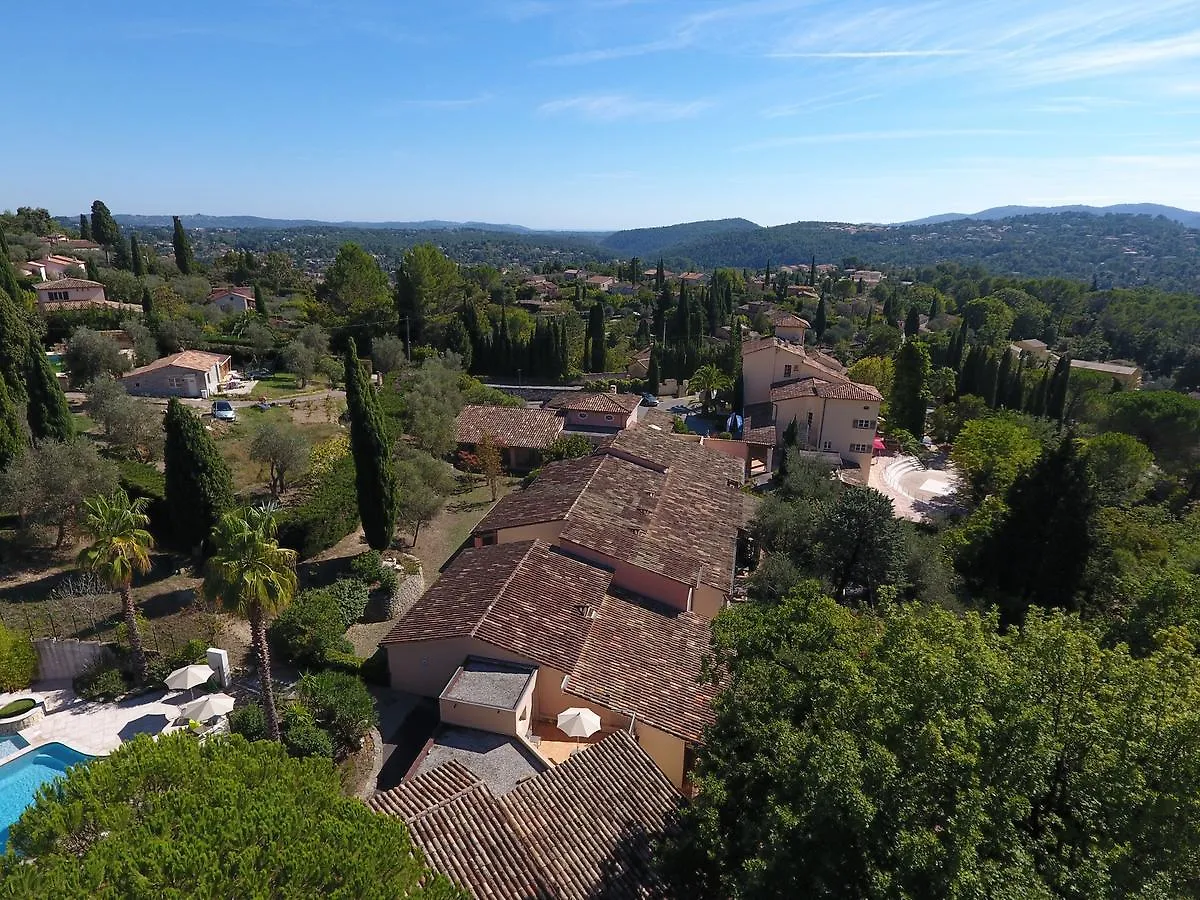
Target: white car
{"points": [[224, 411]]}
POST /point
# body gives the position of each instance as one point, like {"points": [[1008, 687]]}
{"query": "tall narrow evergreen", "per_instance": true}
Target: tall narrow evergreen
{"points": [[260, 303], [11, 432], [121, 257], [822, 318], [199, 486], [8, 274], [148, 311], [912, 322], [374, 471], [85, 228], [1056, 393], [135, 256], [93, 271], [660, 277], [991, 378], [105, 230], [652, 376], [812, 272], [183, 248], [14, 342], [47, 411], [910, 388], [599, 351], [1003, 376]]}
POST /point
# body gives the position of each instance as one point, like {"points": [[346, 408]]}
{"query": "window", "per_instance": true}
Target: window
{"points": [[828, 445], [809, 423], [608, 418], [864, 423], [582, 415], [176, 383], [787, 371], [860, 448], [58, 295]]}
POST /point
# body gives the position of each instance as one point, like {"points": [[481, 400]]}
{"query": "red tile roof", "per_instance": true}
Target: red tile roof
{"points": [[195, 360], [596, 401], [246, 293], [829, 390], [582, 830], [559, 485], [646, 662], [66, 284], [522, 597], [511, 426], [784, 319]]}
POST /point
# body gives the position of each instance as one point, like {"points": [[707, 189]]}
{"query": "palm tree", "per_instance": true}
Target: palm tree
{"points": [[708, 382], [120, 548], [251, 575]]}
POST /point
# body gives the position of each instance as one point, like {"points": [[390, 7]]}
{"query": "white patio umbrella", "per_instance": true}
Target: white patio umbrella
{"points": [[206, 707], [578, 722], [189, 677]]}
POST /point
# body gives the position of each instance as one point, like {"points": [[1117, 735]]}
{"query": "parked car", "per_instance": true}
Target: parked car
{"points": [[649, 399], [224, 411]]}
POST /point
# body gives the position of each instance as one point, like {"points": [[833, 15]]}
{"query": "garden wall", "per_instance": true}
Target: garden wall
{"points": [[60, 660]]}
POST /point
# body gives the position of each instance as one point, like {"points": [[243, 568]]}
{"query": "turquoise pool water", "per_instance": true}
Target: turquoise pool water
{"points": [[11, 745], [20, 779]]}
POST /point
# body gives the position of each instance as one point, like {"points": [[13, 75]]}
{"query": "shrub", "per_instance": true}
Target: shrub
{"points": [[249, 721], [367, 566], [18, 660], [351, 596], [309, 630], [327, 516], [389, 581], [140, 480], [17, 708], [304, 739], [341, 703], [100, 681]]}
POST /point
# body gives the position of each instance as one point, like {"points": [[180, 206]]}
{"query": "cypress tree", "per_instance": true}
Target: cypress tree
{"points": [[199, 486], [1037, 399], [374, 471], [260, 304], [85, 228], [652, 377], [1015, 389], [822, 318], [1041, 550], [105, 230], [93, 271], [148, 311], [47, 411], [564, 351], [935, 307], [912, 322], [660, 277], [1056, 393], [991, 381], [14, 342], [812, 272], [870, 315], [910, 388], [1003, 377], [135, 255], [599, 351], [121, 258], [183, 248], [9, 283], [11, 433]]}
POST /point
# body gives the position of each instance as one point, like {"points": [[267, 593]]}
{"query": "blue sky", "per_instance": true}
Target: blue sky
{"points": [[601, 113]]}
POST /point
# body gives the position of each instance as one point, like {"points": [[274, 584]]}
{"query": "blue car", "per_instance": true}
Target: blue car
{"points": [[649, 399]]}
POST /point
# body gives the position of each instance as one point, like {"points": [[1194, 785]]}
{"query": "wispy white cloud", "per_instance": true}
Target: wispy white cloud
{"points": [[903, 134], [403, 105], [611, 107], [1113, 57], [867, 54]]}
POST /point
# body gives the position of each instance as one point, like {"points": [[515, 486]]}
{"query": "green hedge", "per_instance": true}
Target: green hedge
{"points": [[18, 660], [17, 708], [327, 516], [140, 480]]}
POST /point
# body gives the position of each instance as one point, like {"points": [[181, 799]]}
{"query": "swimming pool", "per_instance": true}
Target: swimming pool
{"points": [[11, 745], [20, 779]]}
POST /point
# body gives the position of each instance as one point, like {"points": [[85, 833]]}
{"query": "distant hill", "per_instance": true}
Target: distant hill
{"points": [[227, 222], [648, 243], [1182, 216]]}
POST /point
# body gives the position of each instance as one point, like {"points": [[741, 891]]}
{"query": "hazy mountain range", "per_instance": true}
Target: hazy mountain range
{"points": [[1182, 216], [198, 220]]}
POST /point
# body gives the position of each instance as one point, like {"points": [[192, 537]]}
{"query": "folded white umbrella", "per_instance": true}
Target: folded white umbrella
{"points": [[578, 722], [189, 677], [206, 707]]}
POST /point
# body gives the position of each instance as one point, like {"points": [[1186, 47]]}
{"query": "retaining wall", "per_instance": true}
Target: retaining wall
{"points": [[60, 660]]}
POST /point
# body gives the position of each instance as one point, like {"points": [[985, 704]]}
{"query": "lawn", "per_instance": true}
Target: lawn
{"points": [[285, 384], [234, 439]]}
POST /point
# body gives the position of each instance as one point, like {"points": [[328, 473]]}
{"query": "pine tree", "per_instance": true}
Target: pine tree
{"points": [[912, 322], [374, 470], [1056, 393], [85, 228], [105, 230], [183, 248], [822, 318], [910, 388], [135, 256], [47, 411], [199, 486]]}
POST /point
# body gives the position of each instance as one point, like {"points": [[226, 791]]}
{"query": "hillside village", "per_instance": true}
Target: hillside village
{"points": [[534, 551]]}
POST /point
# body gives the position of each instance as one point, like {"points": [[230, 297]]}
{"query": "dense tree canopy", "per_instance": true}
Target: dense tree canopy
{"points": [[226, 818], [920, 753]]}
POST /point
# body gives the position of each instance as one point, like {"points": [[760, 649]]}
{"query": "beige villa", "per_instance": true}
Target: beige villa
{"points": [[522, 433], [75, 293], [191, 373], [784, 382], [605, 412]]}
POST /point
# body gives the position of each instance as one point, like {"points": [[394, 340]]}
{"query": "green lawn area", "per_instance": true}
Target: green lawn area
{"points": [[285, 384], [234, 440]]}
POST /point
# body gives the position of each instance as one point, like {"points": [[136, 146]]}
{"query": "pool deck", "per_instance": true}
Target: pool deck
{"points": [[92, 727]]}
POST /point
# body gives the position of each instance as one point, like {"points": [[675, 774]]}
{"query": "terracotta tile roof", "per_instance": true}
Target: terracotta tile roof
{"points": [[196, 360], [66, 284], [511, 426], [784, 319], [762, 436], [647, 663], [829, 390], [596, 401], [558, 486], [88, 304], [584, 829], [244, 292], [522, 597]]}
